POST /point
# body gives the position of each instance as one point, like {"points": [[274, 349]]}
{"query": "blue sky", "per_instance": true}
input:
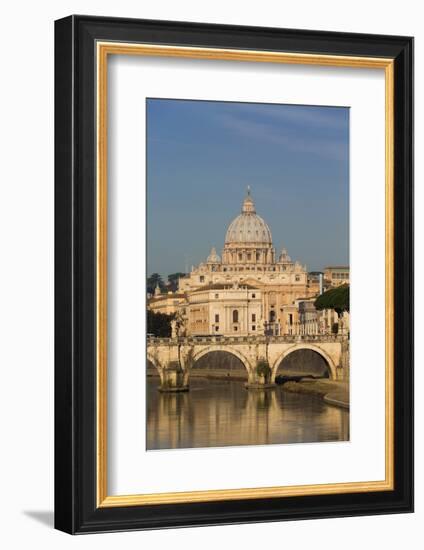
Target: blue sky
{"points": [[201, 155]]}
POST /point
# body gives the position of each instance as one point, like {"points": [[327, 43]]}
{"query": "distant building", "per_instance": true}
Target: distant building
{"points": [[336, 276], [302, 318], [168, 303], [249, 261], [224, 310], [316, 281], [328, 319], [307, 312], [289, 319]]}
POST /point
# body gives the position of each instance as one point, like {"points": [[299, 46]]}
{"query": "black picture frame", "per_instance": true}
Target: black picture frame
{"points": [[76, 508]]}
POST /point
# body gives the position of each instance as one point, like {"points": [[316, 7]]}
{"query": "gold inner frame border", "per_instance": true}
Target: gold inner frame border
{"points": [[103, 50]]}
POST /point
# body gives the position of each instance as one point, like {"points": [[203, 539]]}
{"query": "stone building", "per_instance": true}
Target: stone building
{"points": [[248, 254], [249, 262], [248, 290], [224, 309], [168, 303], [336, 276], [328, 318], [302, 318]]}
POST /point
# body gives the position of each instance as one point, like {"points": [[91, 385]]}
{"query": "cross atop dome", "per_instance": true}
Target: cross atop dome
{"points": [[248, 204]]}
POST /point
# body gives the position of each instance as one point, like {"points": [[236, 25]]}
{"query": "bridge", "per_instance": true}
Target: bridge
{"points": [[174, 358]]}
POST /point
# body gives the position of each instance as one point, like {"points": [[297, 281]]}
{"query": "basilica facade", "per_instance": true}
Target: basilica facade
{"points": [[249, 290], [249, 256]]}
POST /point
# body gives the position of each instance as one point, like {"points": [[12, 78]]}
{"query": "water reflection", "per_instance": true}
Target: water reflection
{"points": [[216, 413]]}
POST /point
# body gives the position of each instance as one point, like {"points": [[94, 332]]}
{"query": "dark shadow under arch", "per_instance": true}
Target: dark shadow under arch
{"points": [[303, 363], [151, 370], [219, 364]]}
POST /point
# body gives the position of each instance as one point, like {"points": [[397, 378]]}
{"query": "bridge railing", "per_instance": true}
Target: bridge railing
{"points": [[193, 340]]}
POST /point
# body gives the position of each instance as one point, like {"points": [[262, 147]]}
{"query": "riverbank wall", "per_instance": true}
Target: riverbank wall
{"points": [[332, 392], [214, 374]]}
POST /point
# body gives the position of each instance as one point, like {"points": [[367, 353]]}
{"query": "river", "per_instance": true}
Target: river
{"points": [[217, 413]]}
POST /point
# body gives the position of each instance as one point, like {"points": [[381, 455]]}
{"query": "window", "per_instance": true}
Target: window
{"points": [[202, 278], [253, 317], [297, 278], [249, 257], [216, 296], [240, 256], [253, 295], [216, 318], [258, 256], [235, 329], [217, 328], [253, 328], [272, 316], [235, 316], [290, 318]]}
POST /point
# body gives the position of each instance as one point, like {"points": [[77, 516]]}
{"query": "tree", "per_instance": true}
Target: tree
{"points": [[159, 324], [153, 281], [263, 369], [335, 298], [173, 280]]}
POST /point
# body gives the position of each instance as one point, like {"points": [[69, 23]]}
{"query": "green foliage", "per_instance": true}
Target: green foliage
{"points": [[172, 284], [153, 281], [263, 368], [173, 280], [335, 298], [159, 324]]}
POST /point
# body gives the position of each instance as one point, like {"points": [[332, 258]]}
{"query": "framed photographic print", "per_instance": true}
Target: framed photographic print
{"points": [[233, 274]]}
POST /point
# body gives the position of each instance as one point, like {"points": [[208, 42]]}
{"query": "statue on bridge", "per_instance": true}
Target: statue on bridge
{"points": [[178, 326]]}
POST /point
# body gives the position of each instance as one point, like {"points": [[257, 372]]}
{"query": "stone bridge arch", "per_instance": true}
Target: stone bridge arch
{"points": [[154, 361], [199, 353], [332, 367]]}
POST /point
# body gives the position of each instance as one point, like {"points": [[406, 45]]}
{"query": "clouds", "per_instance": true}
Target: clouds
{"points": [[335, 118], [202, 154], [298, 129], [310, 130]]}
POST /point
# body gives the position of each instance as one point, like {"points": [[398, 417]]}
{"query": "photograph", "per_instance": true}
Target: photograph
{"points": [[247, 274]]}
